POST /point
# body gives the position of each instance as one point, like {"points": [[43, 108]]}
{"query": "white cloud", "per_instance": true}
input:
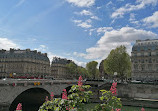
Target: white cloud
{"points": [[103, 29], [88, 13], [79, 63], [85, 12], [95, 17], [112, 39], [91, 30], [100, 30], [82, 3], [132, 17], [146, 2], [77, 21], [133, 20], [109, 4], [152, 21], [98, 7], [42, 48], [5, 43], [86, 24], [79, 54], [140, 4]]}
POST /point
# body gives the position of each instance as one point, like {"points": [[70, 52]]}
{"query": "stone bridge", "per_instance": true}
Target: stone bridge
{"points": [[30, 92]]}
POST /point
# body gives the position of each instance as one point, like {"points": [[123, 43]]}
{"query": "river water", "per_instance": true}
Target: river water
{"points": [[87, 106]]}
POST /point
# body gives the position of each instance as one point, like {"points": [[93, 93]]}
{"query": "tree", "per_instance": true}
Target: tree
{"points": [[118, 61], [82, 71], [92, 68], [72, 69], [97, 75]]}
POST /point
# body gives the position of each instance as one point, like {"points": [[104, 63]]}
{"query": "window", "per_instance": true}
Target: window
{"points": [[153, 60], [145, 48], [152, 47], [139, 61], [142, 54], [157, 67], [150, 67], [135, 66], [142, 60], [142, 67]]}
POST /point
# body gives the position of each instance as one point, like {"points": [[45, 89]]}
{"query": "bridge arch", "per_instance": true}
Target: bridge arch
{"points": [[67, 89], [31, 98]]}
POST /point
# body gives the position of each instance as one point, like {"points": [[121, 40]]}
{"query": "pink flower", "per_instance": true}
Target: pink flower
{"points": [[19, 107], [142, 109], [80, 81], [118, 109], [113, 88], [52, 95], [13, 84], [67, 108], [64, 94], [46, 98]]}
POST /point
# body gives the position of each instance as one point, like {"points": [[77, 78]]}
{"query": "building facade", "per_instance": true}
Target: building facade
{"points": [[144, 58], [23, 63], [59, 69]]}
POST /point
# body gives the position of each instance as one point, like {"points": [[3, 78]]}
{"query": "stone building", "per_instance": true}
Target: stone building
{"points": [[144, 59], [23, 63], [59, 69]]}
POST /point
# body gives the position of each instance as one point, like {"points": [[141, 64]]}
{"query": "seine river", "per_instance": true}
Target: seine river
{"points": [[87, 108]]}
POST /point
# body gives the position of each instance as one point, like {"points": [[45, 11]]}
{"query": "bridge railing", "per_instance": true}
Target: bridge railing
{"points": [[25, 82]]}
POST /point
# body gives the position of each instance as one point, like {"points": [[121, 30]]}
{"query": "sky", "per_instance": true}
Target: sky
{"points": [[80, 30]]}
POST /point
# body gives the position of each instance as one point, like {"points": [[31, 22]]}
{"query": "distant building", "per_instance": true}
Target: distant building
{"points": [[144, 59], [59, 69], [23, 63]]}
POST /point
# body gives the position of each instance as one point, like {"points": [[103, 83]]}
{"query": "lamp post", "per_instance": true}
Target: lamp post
{"points": [[115, 74], [14, 74]]}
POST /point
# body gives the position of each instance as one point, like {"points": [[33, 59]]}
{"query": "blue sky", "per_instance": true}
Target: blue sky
{"points": [[81, 30]]}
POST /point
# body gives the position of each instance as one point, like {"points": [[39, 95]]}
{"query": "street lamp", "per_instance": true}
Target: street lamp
{"points": [[14, 74], [115, 74]]}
